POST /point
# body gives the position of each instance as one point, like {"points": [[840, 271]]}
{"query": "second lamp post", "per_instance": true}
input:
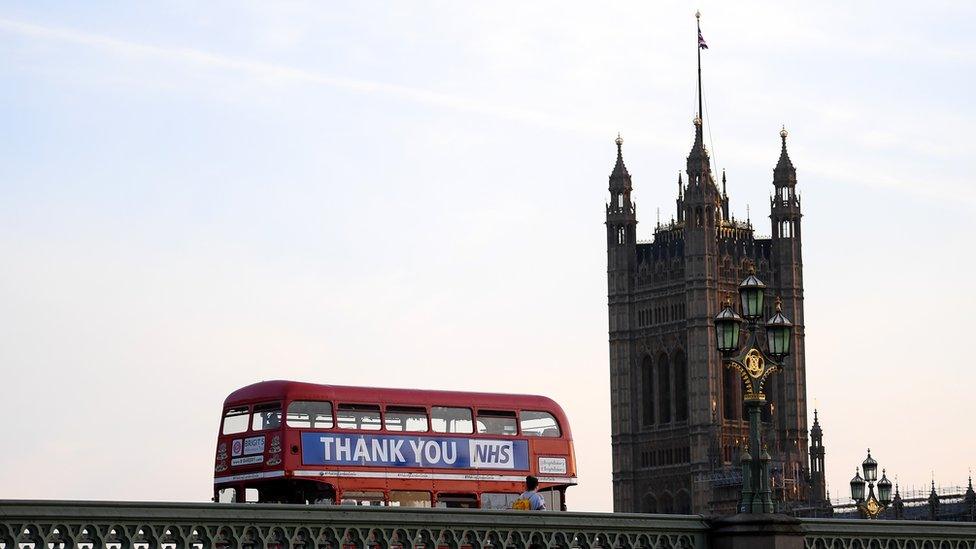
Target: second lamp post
{"points": [[871, 507], [754, 365]]}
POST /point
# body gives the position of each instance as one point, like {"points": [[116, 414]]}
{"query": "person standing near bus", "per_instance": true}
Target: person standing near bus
{"points": [[530, 499]]}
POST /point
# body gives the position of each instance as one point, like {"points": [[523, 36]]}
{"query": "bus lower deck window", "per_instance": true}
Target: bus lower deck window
{"points": [[457, 501], [227, 495], [363, 498], [554, 499], [497, 500], [404, 498]]}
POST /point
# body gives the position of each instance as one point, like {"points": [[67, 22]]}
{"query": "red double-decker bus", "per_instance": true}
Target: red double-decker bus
{"points": [[292, 442]]}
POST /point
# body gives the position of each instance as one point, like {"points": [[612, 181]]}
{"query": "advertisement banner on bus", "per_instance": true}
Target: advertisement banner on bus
{"points": [[413, 451]]}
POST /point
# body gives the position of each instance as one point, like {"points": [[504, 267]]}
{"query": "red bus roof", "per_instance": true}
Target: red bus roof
{"points": [[281, 389]]}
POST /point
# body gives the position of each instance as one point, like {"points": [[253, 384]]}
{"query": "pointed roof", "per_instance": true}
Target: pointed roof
{"points": [[815, 431], [784, 172], [620, 177], [698, 161]]}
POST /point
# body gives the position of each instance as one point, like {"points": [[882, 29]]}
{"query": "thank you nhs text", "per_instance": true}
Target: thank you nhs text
{"points": [[398, 451]]}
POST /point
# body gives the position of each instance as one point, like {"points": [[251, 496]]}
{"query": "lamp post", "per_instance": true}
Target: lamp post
{"points": [[754, 365], [871, 506]]}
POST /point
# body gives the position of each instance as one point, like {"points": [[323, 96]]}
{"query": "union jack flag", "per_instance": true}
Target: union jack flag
{"points": [[701, 41]]}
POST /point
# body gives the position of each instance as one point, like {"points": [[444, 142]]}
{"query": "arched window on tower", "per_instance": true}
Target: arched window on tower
{"points": [[682, 503], [621, 235], [620, 200], [649, 504], [664, 388], [666, 504], [680, 387], [647, 390]]}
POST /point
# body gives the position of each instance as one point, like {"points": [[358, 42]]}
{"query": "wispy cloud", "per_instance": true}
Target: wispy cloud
{"points": [[270, 72]]}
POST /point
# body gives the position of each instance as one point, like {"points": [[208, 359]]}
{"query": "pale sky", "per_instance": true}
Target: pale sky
{"points": [[197, 196]]}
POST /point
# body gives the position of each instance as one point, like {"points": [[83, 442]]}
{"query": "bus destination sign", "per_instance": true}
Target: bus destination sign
{"points": [[413, 451]]}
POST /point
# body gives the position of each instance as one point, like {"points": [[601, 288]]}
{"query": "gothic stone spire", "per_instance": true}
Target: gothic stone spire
{"points": [[784, 173], [620, 177]]}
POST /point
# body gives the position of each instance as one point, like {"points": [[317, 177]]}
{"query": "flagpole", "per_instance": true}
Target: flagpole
{"points": [[698, 47]]}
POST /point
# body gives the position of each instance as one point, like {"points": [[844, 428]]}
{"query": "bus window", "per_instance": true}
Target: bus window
{"points": [[450, 420], [402, 418], [251, 495], [266, 416], [365, 417], [553, 498], [497, 501], [363, 498], [309, 414], [538, 424], [235, 420], [494, 422], [402, 498], [227, 495], [457, 501]]}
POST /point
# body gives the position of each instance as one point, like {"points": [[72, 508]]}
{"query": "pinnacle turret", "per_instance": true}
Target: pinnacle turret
{"points": [[620, 177], [784, 173], [699, 168]]}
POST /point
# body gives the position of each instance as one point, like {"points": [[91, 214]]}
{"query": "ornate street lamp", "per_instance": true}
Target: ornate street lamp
{"points": [[857, 486], [754, 365], [727, 327], [871, 506]]}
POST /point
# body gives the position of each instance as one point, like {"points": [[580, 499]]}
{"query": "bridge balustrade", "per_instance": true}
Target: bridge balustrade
{"points": [[120, 525], [130, 525]]}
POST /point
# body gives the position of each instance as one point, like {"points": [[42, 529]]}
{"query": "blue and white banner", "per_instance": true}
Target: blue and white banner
{"points": [[413, 451]]}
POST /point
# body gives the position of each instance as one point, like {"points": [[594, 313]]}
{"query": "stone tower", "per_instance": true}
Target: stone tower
{"points": [[817, 496], [676, 413]]}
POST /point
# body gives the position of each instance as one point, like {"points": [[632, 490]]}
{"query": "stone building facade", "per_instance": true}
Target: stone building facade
{"points": [[676, 412]]}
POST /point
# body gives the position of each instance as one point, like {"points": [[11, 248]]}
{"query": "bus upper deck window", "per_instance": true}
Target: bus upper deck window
{"points": [[235, 420], [309, 414], [405, 418], [266, 416], [450, 420], [365, 417], [496, 422], [538, 424]]}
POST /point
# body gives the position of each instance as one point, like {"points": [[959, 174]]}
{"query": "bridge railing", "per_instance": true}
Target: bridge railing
{"points": [[887, 534], [118, 525], [130, 525]]}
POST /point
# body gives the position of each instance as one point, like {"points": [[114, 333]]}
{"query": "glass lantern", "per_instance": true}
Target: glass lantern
{"points": [[884, 489], [751, 294], [857, 487], [779, 332], [870, 468], [727, 328]]}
